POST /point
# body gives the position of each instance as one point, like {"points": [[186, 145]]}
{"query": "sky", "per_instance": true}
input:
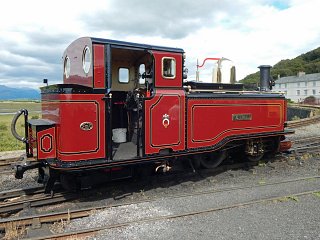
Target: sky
{"points": [[34, 33]]}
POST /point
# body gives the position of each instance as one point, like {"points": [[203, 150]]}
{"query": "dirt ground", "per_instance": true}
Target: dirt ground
{"points": [[287, 218]]}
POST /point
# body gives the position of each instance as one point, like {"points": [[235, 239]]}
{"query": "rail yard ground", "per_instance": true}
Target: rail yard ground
{"points": [[246, 205], [276, 199]]}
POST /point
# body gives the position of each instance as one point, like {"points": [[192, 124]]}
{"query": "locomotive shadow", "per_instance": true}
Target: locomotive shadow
{"points": [[145, 184]]}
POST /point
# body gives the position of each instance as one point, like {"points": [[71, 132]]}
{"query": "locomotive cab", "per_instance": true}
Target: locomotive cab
{"points": [[115, 81]]}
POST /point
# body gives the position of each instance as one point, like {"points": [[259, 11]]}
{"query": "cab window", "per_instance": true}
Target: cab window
{"points": [[123, 75], [142, 69], [168, 68]]}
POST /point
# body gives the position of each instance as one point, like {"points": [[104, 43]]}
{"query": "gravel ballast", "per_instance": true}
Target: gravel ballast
{"points": [[295, 218]]}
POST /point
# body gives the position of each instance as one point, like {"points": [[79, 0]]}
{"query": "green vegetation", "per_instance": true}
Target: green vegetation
{"points": [[317, 194], [295, 118], [288, 198], [308, 63], [7, 141], [12, 106]]}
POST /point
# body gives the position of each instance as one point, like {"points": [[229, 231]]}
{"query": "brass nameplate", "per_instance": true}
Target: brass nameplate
{"points": [[242, 117], [86, 126]]}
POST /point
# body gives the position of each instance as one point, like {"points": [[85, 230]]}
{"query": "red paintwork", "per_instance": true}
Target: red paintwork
{"points": [[285, 145], [99, 68], [285, 112], [74, 52], [163, 82], [210, 121], [168, 125], [68, 111], [46, 143], [157, 136]]}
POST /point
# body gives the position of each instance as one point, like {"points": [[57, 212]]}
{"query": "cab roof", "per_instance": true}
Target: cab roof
{"points": [[136, 45]]}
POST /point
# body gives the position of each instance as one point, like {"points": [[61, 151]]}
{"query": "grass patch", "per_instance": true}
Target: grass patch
{"points": [[262, 182], [13, 231], [288, 198], [295, 118], [8, 142], [12, 106], [317, 194], [293, 198]]}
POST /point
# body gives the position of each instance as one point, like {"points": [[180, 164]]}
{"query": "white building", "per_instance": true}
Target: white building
{"points": [[297, 88]]}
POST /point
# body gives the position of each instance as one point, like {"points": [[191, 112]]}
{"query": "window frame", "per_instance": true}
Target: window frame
{"points": [[141, 80], [86, 68], [67, 67], [162, 68], [126, 68]]}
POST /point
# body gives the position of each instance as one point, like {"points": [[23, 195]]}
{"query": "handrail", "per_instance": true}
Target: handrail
{"points": [[204, 61], [14, 122], [189, 89]]}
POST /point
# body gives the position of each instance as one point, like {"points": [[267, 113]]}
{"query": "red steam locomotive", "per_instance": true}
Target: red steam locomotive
{"points": [[124, 105]]}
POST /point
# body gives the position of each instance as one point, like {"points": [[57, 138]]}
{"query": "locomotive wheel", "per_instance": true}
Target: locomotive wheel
{"points": [[255, 149], [212, 160]]}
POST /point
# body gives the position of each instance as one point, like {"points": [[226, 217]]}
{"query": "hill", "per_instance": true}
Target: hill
{"points": [[308, 62], [8, 93]]}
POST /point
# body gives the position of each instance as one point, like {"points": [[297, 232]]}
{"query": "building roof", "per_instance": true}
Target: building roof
{"points": [[303, 78]]}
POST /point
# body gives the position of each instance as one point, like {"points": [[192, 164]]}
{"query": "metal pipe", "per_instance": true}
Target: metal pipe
{"points": [[110, 148], [265, 78], [24, 139], [138, 125], [189, 89]]}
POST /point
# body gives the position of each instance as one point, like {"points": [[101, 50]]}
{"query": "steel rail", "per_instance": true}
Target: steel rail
{"points": [[78, 213], [92, 231], [314, 138], [20, 192], [303, 122], [305, 144], [303, 149], [42, 199], [35, 201], [7, 163]]}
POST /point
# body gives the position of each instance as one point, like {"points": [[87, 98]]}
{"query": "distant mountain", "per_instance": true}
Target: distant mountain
{"points": [[308, 62], [8, 93]]}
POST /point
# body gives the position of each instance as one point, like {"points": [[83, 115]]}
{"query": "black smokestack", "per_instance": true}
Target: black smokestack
{"points": [[266, 82]]}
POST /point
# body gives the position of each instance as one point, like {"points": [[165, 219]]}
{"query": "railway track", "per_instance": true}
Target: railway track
{"points": [[90, 232], [18, 199], [37, 220], [306, 145], [6, 164], [303, 122], [306, 121], [15, 200]]}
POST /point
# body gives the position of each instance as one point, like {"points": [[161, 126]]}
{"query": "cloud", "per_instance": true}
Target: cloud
{"points": [[250, 32], [167, 19], [32, 55]]}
